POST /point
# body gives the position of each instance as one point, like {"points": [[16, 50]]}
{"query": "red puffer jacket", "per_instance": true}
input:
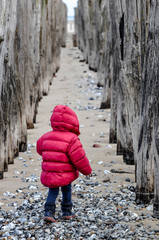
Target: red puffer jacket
{"points": [[62, 152]]}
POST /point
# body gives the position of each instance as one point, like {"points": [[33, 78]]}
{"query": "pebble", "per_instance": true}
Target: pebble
{"points": [[106, 171], [101, 162], [106, 179], [105, 217], [149, 208], [32, 187], [95, 145], [108, 146]]}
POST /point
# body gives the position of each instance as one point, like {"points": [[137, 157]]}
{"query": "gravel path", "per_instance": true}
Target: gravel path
{"points": [[105, 203]]}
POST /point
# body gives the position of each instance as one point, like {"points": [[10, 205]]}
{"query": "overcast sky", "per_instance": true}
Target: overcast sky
{"points": [[70, 5]]}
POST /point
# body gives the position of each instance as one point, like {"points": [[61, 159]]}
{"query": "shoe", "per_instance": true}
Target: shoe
{"points": [[49, 217], [68, 216]]}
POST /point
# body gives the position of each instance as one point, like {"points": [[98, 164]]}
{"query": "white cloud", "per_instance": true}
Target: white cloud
{"points": [[70, 5]]}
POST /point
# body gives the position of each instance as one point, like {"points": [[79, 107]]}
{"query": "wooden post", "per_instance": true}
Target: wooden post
{"points": [[74, 38], [156, 151], [156, 125], [26, 67], [145, 151]]}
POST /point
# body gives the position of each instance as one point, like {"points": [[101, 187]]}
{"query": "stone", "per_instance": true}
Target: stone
{"points": [[95, 145]]}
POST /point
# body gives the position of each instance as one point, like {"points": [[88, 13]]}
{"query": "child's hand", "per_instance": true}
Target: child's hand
{"points": [[88, 176]]}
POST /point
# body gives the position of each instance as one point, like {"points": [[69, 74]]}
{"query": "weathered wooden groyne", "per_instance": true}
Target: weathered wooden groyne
{"points": [[31, 35], [119, 40]]}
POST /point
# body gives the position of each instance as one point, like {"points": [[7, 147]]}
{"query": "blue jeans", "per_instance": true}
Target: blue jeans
{"points": [[66, 204]]}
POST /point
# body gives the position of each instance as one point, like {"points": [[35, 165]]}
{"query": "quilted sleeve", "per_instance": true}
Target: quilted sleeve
{"points": [[39, 146], [78, 157]]}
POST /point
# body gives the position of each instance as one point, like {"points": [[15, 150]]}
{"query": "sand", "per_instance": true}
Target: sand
{"points": [[70, 87]]}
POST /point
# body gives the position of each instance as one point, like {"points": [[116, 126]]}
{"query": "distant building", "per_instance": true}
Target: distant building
{"points": [[70, 25]]}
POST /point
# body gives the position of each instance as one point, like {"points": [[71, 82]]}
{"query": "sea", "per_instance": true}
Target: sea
{"points": [[70, 17]]}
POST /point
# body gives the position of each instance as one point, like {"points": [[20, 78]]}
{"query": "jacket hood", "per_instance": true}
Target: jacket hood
{"points": [[64, 119]]}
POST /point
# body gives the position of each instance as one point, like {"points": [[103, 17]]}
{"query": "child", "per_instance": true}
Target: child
{"points": [[63, 156]]}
